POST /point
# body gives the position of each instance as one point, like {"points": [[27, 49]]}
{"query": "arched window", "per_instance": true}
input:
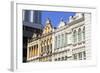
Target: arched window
{"points": [[41, 50], [79, 35], [74, 36], [84, 33], [42, 44], [50, 49], [66, 39], [55, 42], [60, 44], [58, 41], [45, 48], [62, 40]]}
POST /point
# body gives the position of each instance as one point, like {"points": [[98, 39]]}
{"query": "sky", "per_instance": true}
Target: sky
{"points": [[55, 17]]}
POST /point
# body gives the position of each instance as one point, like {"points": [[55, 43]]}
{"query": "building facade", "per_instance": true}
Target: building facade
{"points": [[46, 42], [70, 39], [67, 42], [44, 45], [31, 28]]}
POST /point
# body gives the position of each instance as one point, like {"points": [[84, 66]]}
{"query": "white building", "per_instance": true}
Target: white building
{"points": [[71, 38]]}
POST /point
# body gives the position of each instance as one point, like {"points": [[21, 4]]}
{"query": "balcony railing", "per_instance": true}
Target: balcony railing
{"points": [[79, 43]]}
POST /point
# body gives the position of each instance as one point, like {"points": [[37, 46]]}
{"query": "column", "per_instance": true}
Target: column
{"points": [[34, 50], [31, 51]]}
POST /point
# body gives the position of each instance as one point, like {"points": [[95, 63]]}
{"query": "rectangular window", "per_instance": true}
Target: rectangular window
{"points": [[80, 55], [84, 55], [55, 59], [75, 56], [65, 57]]}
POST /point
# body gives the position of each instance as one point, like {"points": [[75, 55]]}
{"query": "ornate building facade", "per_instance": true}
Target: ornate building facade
{"points": [[70, 39], [43, 49], [67, 42], [46, 42]]}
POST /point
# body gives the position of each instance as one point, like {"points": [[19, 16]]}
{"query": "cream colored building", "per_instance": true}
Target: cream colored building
{"points": [[71, 39]]}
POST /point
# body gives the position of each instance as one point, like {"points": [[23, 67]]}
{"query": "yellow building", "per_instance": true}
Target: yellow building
{"points": [[46, 42], [40, 48]]}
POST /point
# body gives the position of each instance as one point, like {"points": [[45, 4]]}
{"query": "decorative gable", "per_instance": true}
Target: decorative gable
{"points": [[48, 27]]}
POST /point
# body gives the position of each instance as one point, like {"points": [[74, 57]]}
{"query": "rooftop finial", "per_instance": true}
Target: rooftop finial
{"points": [[61, 19], [62, 23], [47, 21]]}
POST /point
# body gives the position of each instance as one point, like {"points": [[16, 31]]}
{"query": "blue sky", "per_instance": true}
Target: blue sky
{"points": [[55, 17]]}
